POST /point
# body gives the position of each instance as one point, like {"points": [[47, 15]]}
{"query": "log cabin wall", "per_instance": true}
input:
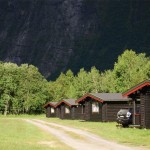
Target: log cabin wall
{"points": [[89, 115], [78, 112], [63, 114], [48, 111], [62, 111], [73, 111], [112, 110], [67, 115], [53, 114], [145, 107], [104, 112], [58, 112], [142, 107], [137, 113], [107, 110], [96, 116]]}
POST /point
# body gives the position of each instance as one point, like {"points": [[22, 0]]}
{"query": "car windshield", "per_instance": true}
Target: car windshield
{"points": [[123, 111]]}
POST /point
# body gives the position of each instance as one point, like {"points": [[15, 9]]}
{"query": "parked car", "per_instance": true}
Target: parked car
{"points": [[124, 117]]}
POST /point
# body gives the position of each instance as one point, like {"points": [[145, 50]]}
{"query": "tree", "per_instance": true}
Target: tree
{"points": [[95, 80], [8, 84], [130, 69], [32, 91], [108, 82], [82, 83]]}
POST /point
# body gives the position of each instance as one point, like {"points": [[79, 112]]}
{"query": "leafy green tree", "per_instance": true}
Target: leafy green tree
{"points": [[63, 85], [70, 91], [8, 84], [32, 88], [108, 82], [82, 83], [95, 80], [130, 69], [22, 89]]}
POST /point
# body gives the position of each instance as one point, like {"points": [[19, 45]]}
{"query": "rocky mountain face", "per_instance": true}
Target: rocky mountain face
{"points": [[56, 35]]}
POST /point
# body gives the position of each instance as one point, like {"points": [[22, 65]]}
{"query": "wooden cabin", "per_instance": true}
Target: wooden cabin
{"points": [[50, 109], [67, 109], [140, 92], [101, 106]]}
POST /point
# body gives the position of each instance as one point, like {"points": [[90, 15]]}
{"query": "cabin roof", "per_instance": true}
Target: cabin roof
{"points": [[102, 97], [53, 104], [69, 102], [136, 88]]}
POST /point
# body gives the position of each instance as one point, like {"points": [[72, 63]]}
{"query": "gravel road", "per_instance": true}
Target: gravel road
{"points": [[88, 141]]}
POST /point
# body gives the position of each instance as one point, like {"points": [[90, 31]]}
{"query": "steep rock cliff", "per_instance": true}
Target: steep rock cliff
{"points": [[56, 35]]}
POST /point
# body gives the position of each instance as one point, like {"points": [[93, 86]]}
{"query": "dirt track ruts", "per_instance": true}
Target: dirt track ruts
{"points": [[90, 141]]}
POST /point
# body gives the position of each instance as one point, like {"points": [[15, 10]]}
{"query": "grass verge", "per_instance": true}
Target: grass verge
{"points": [[128, 136], [19, 135]]}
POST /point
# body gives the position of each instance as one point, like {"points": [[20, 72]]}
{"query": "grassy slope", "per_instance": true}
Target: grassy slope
{"points": [[19, 135], [130, 136]]}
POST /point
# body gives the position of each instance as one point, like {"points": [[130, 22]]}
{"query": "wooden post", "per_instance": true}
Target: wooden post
{"points": [[134, 111]]}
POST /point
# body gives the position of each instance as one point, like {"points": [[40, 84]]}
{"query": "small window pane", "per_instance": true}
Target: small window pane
{"points": [[95, 107], [52, 110], [67, 110]]}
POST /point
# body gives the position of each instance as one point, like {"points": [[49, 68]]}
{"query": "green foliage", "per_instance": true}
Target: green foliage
{"points": [[108, 83], [22, 89], [129, 70]]}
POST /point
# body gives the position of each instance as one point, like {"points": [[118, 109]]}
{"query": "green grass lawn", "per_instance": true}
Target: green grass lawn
{"points": [[129, 136], [20, 135]]}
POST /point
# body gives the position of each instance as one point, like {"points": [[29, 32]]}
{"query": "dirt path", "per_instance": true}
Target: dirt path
{"points": [[88, 142]]}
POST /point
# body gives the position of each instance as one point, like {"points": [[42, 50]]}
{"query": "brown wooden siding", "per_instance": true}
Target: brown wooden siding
{"points": [[48, 112], [107, 110], [88, 115], [78, 112], [58, 111], [113, 108], [142, 107], [147, 108], [104, 112], [137, 113], [144, 117], [137, 119], [64, 115]]}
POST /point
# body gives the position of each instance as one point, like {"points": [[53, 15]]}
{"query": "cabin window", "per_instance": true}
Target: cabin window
{"points": [[67, 110], [52, 110], [95, 107]]}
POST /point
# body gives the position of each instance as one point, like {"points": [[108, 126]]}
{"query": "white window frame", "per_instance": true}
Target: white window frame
{"points": [[67, 110], [52, 110], [95, 107]]}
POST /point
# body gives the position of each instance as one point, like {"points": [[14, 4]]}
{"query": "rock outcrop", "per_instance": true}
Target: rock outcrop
{"points": [[56, 35]]}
